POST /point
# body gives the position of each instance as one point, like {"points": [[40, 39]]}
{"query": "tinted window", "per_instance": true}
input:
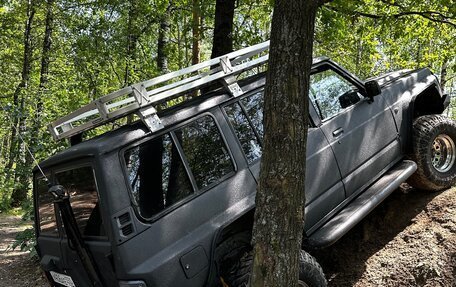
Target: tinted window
{"points": [[157, 176], [80, 184], [254, 108], [205, 151], [48, 224], [328, 90], [244, 132]]}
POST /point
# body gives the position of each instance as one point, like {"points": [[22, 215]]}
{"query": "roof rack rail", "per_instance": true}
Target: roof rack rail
{"points": [[140, 98]]}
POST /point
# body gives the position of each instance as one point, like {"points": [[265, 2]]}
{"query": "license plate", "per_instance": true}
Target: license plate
{"points": [[65, 280]]}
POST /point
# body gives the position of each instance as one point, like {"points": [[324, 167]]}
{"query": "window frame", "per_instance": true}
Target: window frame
{"points": [[82, 164], [313, 112], [36, 177], [196, 191], [51, 174], [227, 119]]}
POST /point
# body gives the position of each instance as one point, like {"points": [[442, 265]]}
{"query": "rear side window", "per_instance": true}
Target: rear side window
{"points": [[254, 108], [48, 224], [80, 184], [244, 131], [157, 171], [205, 151], [246, 117], [157, 176]]}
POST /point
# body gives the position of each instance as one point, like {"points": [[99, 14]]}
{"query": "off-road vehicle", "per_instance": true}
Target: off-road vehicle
{"points": [[168, 200]]}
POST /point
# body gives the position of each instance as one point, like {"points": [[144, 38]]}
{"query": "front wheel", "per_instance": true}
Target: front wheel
{"points": [[434, 151], [310, 272]]}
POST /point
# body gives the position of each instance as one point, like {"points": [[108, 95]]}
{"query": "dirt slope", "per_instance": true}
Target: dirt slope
{"points": [[409, 240]]}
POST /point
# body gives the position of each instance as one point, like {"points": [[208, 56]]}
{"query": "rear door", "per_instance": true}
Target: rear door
{"points": [[80, 183], [58, 256]]}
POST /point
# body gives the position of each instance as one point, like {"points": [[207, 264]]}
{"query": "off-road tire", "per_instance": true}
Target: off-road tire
{"points": [[310, 272], [426, 130], [234, 255]]}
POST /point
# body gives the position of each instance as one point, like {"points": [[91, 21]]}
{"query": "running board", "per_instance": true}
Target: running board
{"points": [[361, 206]]}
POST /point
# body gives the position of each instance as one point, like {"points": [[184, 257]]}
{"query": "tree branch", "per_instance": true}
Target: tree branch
{"points": [[425, 14]]}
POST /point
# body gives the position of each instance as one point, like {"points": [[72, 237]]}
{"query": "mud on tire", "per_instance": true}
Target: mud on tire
{"points": [[433, 150]]}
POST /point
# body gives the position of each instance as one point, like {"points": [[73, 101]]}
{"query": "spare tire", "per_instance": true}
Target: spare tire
{"points": [[434, 151]]}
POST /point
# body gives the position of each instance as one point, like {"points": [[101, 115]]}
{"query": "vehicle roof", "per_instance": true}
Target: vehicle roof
{"points": [[126, 134]]}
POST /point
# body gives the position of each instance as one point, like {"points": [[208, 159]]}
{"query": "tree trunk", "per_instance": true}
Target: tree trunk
{"points": [[163, 41], [23, 177], [17, 101], [223, 28], [280, 199], [196, 29], [443, 74], [132, 39]]}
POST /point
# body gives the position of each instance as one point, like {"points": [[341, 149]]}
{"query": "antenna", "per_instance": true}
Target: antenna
{"points": [[26, 145]]}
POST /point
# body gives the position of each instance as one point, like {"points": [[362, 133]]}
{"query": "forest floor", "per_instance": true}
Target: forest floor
{"points": [[17, 269], [409, 240]]}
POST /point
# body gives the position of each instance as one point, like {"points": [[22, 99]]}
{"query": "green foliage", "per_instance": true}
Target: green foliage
{"points": [[25, 241], [100, 46]]}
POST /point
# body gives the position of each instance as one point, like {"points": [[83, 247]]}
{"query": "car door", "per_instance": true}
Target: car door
{"points": [[80, 183], [324, 188], [361, 132]]}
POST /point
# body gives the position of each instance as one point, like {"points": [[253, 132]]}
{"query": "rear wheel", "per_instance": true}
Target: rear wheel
{"points": [[310, 272], [434, 151]]}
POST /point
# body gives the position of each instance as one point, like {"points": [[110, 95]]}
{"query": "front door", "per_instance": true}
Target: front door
{"points": [[361, 132], [324, 188]]}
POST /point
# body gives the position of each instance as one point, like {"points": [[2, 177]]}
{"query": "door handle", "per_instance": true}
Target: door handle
{"points": [[338, 132]]}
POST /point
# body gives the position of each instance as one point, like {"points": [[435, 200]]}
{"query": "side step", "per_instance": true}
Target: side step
{"points": [[361, 206]]}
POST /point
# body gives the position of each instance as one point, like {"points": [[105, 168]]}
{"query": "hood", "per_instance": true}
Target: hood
{"points": [[391, 76]]}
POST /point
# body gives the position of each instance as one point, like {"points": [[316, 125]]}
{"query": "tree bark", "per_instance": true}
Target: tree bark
{"points": [[223, 28], [443, 74], [132, 39], [163, 40], [280, 199], [196, 31], [23, 177]]}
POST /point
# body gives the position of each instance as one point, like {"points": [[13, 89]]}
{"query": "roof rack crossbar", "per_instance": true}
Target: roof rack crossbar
{"points": [[141, 98]]}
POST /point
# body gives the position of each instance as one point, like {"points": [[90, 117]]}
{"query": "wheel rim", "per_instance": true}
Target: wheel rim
{"points": [[443, 153], [302, 284]]}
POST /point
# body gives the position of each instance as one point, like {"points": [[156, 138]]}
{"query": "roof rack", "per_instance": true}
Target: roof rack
{"points": [[142, 97]]}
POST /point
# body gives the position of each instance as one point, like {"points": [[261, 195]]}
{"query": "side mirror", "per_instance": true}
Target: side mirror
{"points": [[372, 89]]}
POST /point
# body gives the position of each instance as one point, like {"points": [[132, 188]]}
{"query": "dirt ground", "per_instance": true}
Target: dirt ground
{"points": [[17, 269], [409, 240]]}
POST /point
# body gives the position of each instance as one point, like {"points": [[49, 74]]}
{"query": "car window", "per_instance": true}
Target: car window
{"points": [[46, 214], [157, 175], [331, 93], [81, 186], [205, 151], [254, 107], [244, 131]]}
